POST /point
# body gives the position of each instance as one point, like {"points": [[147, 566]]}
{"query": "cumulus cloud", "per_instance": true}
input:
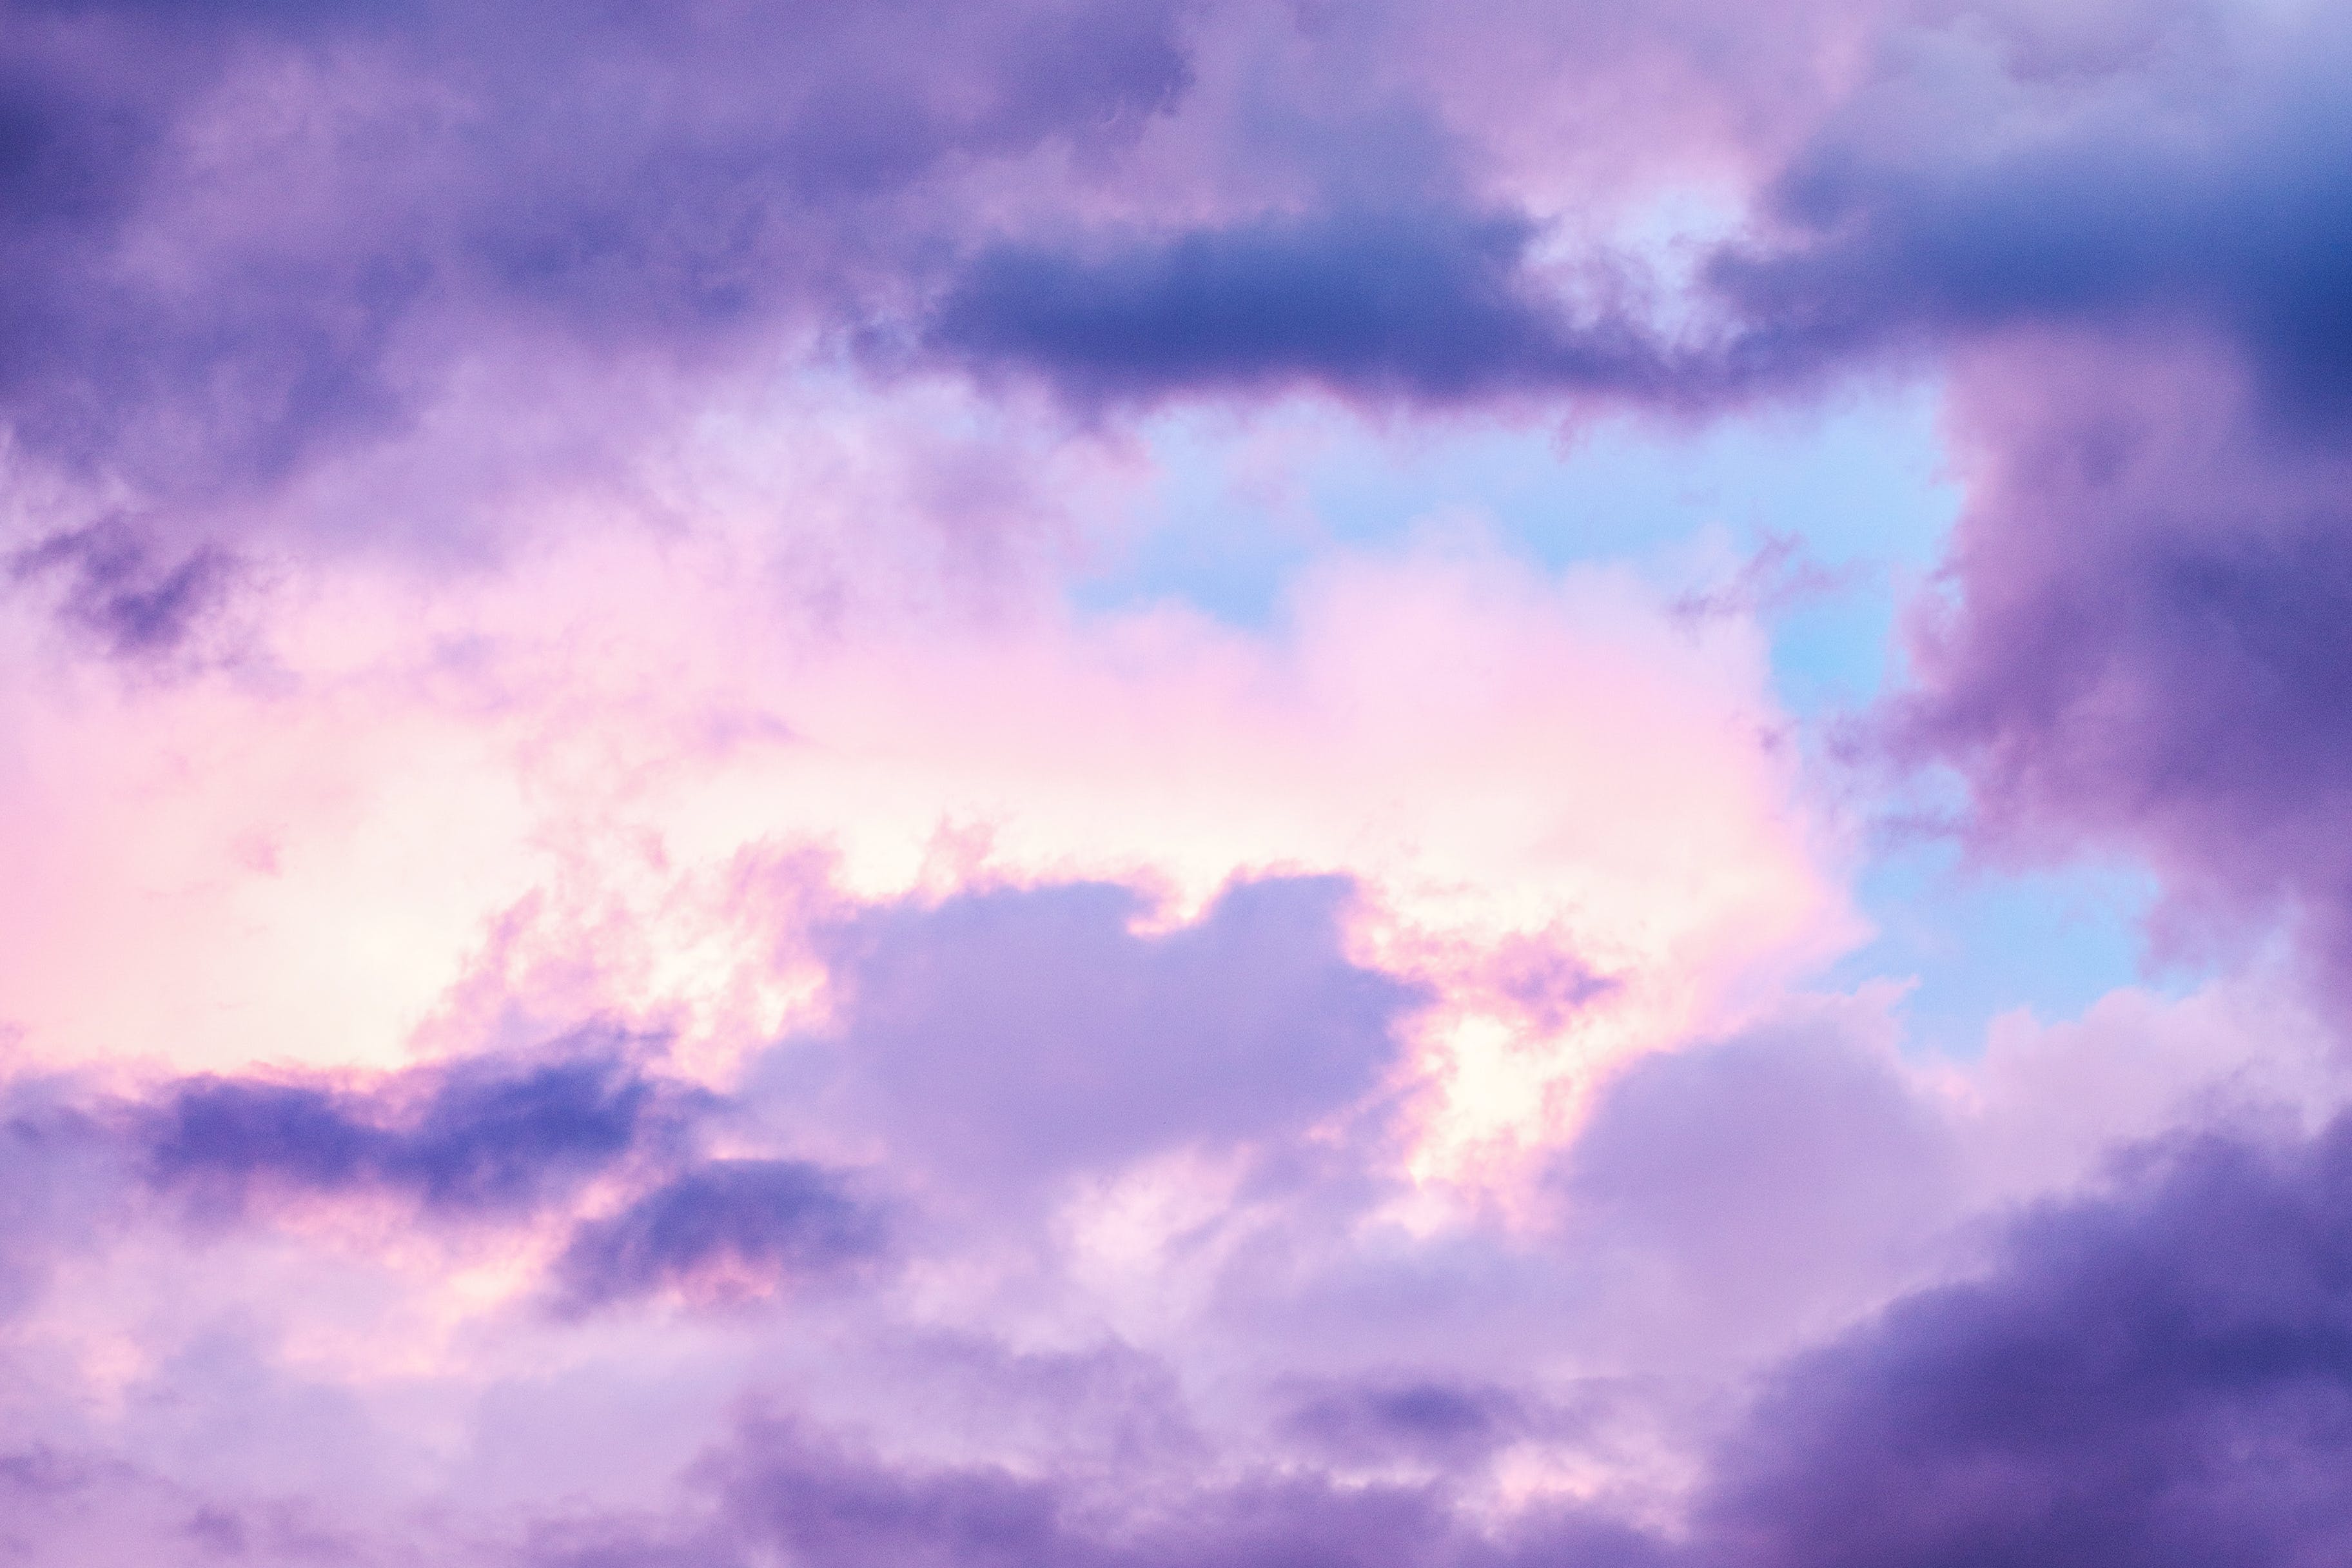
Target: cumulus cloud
{"points": [[737, 1226], [2154, 1375], [1432, 305], [1004, 1036], [2178, 165], [2141, 651], [514, 515], [244, 236]]}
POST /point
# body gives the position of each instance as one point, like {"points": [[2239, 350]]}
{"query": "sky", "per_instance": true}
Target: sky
{"points": [[1302, 784]]}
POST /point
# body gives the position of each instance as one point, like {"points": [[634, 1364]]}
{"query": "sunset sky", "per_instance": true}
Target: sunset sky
{"points": [[1176, 783]]}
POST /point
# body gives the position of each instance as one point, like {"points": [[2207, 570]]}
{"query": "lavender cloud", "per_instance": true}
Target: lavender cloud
{"points": [[1420, 1419], [61, 1186], [1794, 1169], [2142, 652], [2191, 172], [753, 1224], [2160, 1372], [1010, 1036], [242, 237], [472, 1139], [1159, 1190], [781, 1488]]}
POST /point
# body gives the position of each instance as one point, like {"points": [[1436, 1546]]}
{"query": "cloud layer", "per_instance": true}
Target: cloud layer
{"points": [[639, 930]]}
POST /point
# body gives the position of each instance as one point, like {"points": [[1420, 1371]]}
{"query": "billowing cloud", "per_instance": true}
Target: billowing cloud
{"points": [[2159, 165], [1007, 1035], [2142, 653], [642, 925], [1432, 305], [2158, 1376]]}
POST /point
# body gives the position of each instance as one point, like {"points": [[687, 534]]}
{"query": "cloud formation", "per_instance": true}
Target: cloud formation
{"points": [[2158, 1375], [733, 1225], [2142, 654], [470, 1138], [1009, 1037], [244, 237], [664, 907], [1418, 305]]}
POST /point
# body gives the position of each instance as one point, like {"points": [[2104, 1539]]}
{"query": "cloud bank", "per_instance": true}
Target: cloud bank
{"points": [[639, 931]]}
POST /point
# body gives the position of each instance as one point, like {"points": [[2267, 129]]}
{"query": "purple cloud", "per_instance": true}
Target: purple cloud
{"points": [[115, 586], [1429, 305], [2162, 1376], [703, 187], [472, 1139], [1994, 178], [2162, 1373], [2143, 654], [1107, 1242], [1428, 1420], [414, 187], [781, 1490], [1792, 1170], [747, 1224], [61, 1186], [1008, 1036]]}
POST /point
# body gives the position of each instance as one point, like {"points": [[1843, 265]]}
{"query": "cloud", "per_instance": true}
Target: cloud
{"points": [[1323, 1093], [2142, 651], [1796, 1171], [244, 239], [474, 1138], [136, 605], [2163, 1374], [61, 1186], [733, 1226], [1016, 1034], [1412, 1419], [1428, 305], [251, 242], [779, 1489], [2160, 164]]}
